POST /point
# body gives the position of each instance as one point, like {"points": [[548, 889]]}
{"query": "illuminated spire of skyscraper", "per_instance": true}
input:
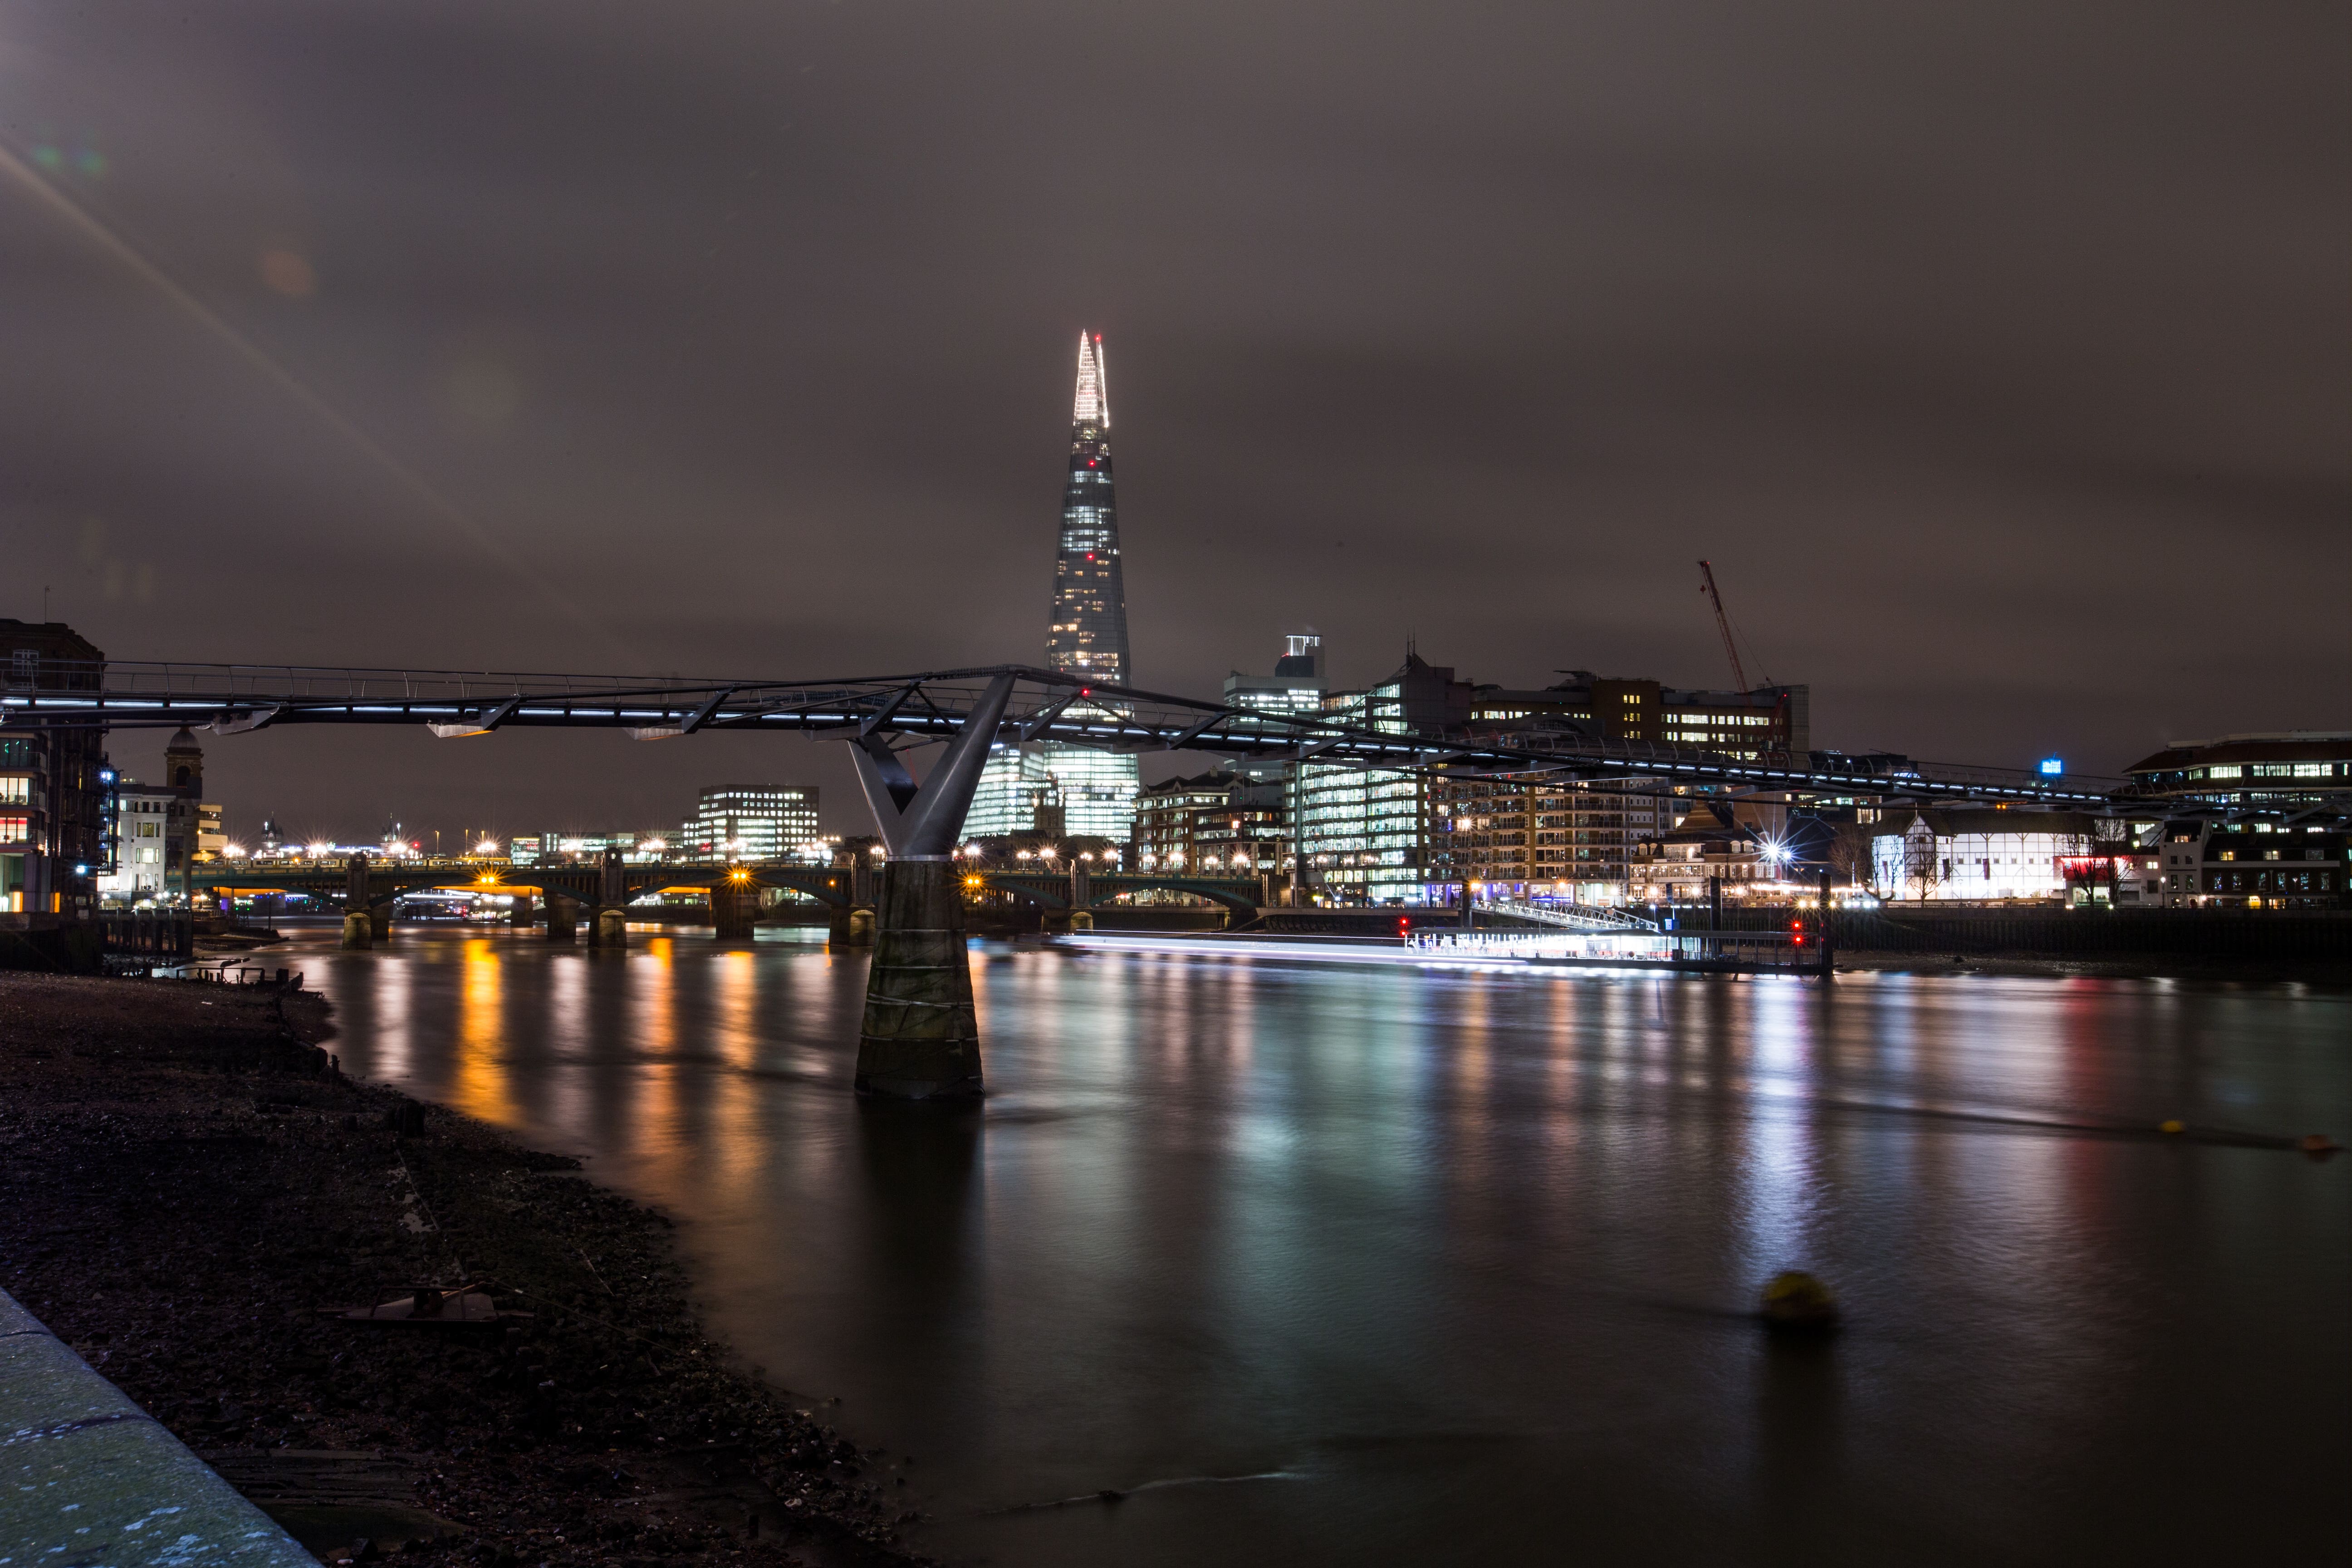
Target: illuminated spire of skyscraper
{"points": [[1088, 633], [1094, 392], [1090, 793]]}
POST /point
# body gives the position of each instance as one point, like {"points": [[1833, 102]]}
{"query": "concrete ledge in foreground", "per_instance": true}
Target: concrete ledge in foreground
{"points": [[87, 1480]]}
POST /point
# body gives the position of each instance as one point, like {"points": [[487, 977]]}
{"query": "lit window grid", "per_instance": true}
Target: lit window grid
{"points": [[1012, 785], [1363, 832], [1098, 790]]}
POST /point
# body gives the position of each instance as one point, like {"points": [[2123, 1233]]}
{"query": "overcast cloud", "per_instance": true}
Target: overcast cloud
{"points": [[1996, 354]]}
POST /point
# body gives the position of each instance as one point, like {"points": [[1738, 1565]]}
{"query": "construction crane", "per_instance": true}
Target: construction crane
{"points": [[1723, 625]]}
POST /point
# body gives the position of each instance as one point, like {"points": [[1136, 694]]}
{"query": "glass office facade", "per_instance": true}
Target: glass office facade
{"points": [[1364, 832]]}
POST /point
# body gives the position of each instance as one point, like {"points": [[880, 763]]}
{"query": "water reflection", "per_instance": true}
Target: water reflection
{"points": [[481, 1080], [1463, 1263]]}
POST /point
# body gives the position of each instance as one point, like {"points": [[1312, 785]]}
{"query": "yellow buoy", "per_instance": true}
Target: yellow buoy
{"points": [[1796, 1299]]}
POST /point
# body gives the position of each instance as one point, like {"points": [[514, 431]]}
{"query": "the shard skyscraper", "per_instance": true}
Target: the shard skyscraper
{"points": [[1070, 789], [1088, 634]]}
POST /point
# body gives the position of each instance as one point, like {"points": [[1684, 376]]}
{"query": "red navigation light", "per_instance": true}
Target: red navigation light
{"points": [[1086, 691], [1090, 462], [1090, 555]]}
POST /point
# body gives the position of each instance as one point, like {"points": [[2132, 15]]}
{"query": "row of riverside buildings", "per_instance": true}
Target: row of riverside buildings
{"points": [[2254, 819], [74, 834], [1376, 836]]}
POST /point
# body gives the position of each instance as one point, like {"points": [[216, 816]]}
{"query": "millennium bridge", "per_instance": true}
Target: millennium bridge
{"points": [[920, 1039]]}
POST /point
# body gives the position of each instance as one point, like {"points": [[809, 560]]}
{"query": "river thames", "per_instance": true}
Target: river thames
{"points": [[1328, 1265]]}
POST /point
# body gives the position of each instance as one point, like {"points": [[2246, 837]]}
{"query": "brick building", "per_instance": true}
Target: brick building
{"points": [[54, 829]]}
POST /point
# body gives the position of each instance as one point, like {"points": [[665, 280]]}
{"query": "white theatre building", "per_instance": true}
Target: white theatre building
{"points": [[1981, 854]]}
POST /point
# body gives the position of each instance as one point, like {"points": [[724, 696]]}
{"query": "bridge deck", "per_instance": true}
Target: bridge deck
{"points": [[1049, 705]]}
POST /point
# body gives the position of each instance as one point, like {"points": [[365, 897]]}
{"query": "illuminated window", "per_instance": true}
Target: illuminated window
{"points": [[15, 829], [15, 792]]}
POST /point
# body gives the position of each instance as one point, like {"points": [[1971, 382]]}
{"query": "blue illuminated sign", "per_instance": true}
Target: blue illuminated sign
{"points": [[2053, 766]]}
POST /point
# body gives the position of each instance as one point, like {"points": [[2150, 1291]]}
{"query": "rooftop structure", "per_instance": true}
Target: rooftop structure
{"points": [[1296, 686]]}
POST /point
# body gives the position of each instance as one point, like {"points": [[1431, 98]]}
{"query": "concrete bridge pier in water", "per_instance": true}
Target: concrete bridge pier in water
{"points": [[920, 1039], [734, 906], [367, 920], [850, 923], [562, 917], [608, 919]]}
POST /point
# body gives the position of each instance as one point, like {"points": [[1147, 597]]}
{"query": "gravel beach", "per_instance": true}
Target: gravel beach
{"points": [[186, 1182]]}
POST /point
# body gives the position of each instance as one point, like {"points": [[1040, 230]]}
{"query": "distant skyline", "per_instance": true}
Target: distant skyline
{"points": [[1995, 357]]}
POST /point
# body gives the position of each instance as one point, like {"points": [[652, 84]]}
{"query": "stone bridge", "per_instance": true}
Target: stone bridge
{"points": [[1062, 894], [585, 881], [366, 886]]}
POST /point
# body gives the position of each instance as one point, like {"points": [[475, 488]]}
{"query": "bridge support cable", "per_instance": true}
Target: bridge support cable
{"points": [[704, 714], [1194, 732], [1043, 720], [481, 723]]}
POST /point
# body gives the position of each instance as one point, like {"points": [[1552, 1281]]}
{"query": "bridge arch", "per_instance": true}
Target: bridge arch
{"points": [[1239, 897]]}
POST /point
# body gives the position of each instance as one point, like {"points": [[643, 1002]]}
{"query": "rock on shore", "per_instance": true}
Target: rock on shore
{"points": [[185, 1181]]}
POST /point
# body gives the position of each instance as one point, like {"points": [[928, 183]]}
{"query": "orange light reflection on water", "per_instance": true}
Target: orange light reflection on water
{"points": [[480, 1079], [733, 1148], [651, 1051]]}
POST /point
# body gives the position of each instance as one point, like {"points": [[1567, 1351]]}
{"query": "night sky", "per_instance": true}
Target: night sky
{"points": [[1996, 354]]}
